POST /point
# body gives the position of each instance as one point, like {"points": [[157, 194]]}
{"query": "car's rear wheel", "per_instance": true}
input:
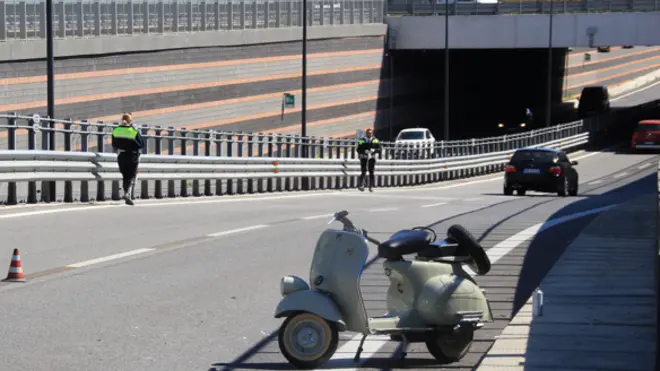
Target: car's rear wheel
{"points": [[574, 190], [508, 191], [563, 191]]}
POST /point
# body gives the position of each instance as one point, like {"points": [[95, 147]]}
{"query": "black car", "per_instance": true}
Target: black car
{"points": [[542, 170]]}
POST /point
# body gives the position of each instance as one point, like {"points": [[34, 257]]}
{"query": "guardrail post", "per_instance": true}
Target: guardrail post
{"points": [[45, 185], [100, 148], [207, 153], [144, 185], [323, 181], [171, 137], [218, 152], [240, 143], [335, 155], [312, 154], [260, 153], [230, 152], [287, 180], [195, 140], [52, 186], [158, 149], [278, 142], [184, 147], [12, 197], [68, 185], [297, 154], [32, 145], [84, 147], [250, 153]]}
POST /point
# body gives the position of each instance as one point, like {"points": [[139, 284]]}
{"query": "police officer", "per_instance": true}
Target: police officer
{"points": [[128, 142], [368, 146]]}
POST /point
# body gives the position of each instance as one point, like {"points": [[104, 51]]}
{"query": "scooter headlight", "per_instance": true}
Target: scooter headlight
{"points": [[290, 284]]}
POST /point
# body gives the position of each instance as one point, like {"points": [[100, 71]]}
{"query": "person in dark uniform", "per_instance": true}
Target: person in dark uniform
{"points": [[368, 146], [128, 142]]}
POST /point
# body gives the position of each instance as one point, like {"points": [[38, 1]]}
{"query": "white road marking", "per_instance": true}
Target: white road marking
{"points": [[472, 199], [109, 258], [318, 216], [41, 212], [142, 251], [433, 205], [238, 230], [595, 182], [383, 209], [634, 92], [346, 353], [242, 198], [644, 166], [620, 175]]}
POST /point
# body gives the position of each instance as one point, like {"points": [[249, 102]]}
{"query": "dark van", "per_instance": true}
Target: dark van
{"points": [[594, 100]]}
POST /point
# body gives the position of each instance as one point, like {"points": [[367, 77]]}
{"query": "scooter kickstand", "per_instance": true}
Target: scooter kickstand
{"points": [[359, 350], [403, 352]]}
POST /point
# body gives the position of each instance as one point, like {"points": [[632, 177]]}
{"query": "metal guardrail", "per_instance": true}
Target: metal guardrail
{"points": [[313, 173], [22, 132], [430, 7], [23, 20]]}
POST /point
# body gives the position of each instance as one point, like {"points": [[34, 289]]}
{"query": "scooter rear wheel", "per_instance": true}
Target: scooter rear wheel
{"points": [[308, 341], [450, 347]]}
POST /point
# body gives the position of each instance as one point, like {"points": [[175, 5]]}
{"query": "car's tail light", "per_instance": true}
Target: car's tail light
{"points": [[510, 169], [555, 170]]}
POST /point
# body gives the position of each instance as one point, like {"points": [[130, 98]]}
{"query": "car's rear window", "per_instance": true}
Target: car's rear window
{"points": [[536, 156], [648, 127], [409, 135]]}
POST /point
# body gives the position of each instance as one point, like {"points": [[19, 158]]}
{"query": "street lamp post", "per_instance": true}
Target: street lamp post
{"points": [[50, 59], [446, 108], [303, 119], [548, 103]]}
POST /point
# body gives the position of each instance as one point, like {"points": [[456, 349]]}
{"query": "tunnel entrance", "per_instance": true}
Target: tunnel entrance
{"points": [[487, 87]]}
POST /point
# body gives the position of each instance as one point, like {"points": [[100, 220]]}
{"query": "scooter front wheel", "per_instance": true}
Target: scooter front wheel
{"points": [[308, 341], [450, 347]]}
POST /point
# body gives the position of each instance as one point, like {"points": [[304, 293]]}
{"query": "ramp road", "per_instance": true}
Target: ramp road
{"points": [[192, 285]]}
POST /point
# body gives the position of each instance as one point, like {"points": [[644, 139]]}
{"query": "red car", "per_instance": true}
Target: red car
{"points": [[646, 135]]}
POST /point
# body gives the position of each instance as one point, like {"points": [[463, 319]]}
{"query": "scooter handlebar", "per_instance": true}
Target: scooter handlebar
{"points": [[342, 217]]}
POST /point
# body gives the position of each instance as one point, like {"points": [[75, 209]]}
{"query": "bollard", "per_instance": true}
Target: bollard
{"points": [[537, 303]]}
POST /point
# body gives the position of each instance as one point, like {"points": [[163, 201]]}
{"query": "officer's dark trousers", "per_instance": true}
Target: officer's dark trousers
{"points": [[371, 164], [128, 164]]}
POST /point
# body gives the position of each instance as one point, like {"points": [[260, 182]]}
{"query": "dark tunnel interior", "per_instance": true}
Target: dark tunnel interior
{"points": [[487, 87]]}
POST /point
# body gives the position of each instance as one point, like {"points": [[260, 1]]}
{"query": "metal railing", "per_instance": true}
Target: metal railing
{"points": [[426, 7], [24, 20], [23, 132], [231, 173]]}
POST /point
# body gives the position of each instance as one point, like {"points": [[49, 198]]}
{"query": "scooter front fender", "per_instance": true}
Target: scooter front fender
{"points": [[313, 302]]}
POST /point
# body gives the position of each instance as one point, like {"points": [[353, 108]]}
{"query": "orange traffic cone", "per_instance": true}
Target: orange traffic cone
{"points": [[15, 269]]}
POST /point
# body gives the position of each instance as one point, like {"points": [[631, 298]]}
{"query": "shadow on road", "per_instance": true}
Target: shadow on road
{"points": [[537, 262]]}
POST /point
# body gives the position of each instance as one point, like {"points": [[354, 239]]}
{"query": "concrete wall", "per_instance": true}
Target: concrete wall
{"points": [[14, 50], [222, 88], [525, 31]]}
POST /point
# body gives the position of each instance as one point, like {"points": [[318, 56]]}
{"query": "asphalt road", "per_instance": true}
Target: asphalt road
{"points": [[649, 93], [185, 295]]}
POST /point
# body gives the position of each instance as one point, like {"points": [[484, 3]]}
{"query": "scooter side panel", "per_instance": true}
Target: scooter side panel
{"points": [[309, 301], [443, 297], [338, 262]]}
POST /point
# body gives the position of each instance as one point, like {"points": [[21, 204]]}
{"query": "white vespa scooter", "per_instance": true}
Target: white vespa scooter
{"points": [[431, 299]]}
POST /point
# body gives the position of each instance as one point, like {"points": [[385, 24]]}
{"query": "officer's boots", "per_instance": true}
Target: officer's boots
{"points": [[127, 196]]}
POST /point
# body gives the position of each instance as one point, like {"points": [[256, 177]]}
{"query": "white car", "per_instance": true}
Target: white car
{"points": [[415, 143]]}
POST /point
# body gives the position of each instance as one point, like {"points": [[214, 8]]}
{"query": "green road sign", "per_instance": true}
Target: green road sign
{"points": [[289, 100]]}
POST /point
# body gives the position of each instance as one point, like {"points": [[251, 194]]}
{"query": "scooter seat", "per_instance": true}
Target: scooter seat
{"points": [[407, 241]]}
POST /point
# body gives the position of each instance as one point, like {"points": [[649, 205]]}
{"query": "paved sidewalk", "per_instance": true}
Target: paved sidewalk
{"points": [[599, 309]]}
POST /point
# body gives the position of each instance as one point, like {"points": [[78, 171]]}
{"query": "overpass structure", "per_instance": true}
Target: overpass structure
{"points": [[190, 283], [524, 24]]}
